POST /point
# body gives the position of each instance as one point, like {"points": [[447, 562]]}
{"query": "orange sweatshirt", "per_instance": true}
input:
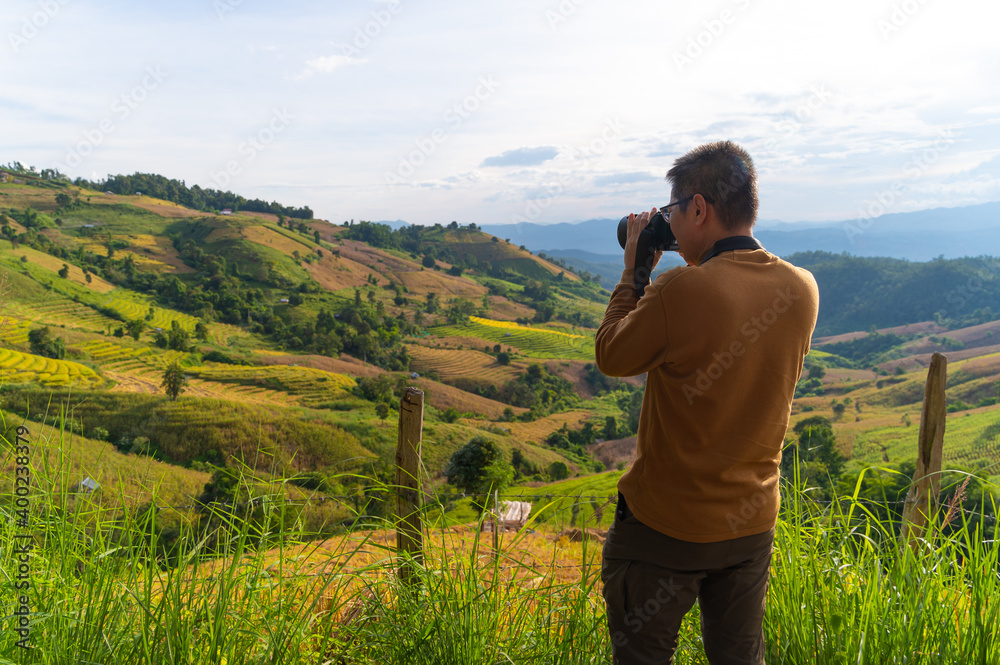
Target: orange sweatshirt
{"points": [[722, 344]]}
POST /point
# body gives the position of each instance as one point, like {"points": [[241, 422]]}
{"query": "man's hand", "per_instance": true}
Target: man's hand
{"points": [[635, 226]]}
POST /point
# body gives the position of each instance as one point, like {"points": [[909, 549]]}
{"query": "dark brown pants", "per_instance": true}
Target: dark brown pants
{"points": [[651, 581]]}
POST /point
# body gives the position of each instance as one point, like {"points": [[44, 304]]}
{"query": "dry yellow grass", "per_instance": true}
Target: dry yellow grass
{"points": [[158, 206], [539, 429], [507, 310], [420, 283], [454, 364], [270, 238], [337, 272], [54, 265]]}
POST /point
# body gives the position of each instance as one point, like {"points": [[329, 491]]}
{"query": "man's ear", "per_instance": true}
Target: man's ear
{"points": [[700, 209]]}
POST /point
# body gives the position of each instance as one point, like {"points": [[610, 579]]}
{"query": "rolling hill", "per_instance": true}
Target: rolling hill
{"points": [[294, 332]]}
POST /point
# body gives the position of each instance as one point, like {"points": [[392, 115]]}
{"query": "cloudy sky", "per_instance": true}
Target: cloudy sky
{"points": [[521, 110]]}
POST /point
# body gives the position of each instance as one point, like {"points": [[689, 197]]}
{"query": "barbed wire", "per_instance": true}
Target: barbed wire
{"points": [[433, 500]]}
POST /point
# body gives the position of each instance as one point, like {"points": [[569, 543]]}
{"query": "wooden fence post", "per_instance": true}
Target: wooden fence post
{"points": [[409, 530], [922, 498]]}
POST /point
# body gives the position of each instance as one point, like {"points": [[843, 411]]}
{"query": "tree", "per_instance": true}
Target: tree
{"points": [[610, 428], [201, 331], [178, 339], [135, 328], [816, 453], [174, 380], [558, 471], [64, 271], [479, 468], [42, 343], [382, 411]]}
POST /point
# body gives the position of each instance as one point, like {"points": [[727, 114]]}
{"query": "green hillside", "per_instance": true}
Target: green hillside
{"points": [[293, 335], [304, 332]]}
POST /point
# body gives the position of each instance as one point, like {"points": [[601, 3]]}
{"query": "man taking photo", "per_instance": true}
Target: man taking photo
{"points": [[722, 341]]}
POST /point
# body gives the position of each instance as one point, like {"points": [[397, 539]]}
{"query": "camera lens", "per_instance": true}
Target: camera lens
{"points": [[623, 231]]}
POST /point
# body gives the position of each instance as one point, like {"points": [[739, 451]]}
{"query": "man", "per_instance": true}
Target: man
{"points": [[722, 341]]}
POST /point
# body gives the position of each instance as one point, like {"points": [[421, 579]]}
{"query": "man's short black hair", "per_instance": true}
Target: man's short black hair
{"points": [[724, 174]]}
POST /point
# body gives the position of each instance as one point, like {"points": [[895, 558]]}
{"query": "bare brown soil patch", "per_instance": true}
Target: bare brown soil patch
{"points": [[337, 272], [446, 286], [927, 328], [380, 261], [504, 309], [615, 451]]}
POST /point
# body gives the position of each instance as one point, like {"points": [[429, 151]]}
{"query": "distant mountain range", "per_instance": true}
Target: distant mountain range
{"points": [[915, 236]]}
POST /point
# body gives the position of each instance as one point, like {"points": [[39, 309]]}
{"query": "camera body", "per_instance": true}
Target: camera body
{"points": [[655, 237]]}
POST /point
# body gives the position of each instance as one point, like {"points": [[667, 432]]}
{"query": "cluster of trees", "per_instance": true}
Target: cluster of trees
{"points": [[42, 343], [861, 292], [815, 454], [538, 389], [194, 197], [361, 328]]}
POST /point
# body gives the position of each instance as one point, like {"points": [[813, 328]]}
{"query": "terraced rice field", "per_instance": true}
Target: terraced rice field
{"points": [[17, 367], [119, 357], [135, 308], [533, 342], [61, 312], [311, 385], [455, 364], [969, 437], [14, 331]]}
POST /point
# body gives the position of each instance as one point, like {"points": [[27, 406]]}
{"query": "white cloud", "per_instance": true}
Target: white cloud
{"points": [[327, 64]]}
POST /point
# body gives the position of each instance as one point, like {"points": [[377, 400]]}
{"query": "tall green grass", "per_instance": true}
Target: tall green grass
{"points": [[251, 591]]}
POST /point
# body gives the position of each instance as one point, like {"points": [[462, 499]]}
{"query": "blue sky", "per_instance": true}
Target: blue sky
{"points": [[513, 111]]}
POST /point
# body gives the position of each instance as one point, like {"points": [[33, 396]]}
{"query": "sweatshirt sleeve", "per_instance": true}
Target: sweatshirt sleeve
{"points": [[632, 338]]}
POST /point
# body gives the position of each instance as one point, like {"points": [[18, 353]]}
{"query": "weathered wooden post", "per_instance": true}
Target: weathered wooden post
{"points": [[922, 499], [409, 530]]}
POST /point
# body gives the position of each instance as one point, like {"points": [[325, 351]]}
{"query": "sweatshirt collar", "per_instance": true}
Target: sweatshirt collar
{"points": [[729, 244]]}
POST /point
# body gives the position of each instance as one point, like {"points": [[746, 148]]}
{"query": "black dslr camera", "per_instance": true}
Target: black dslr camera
{"points": [[656, 237]]}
